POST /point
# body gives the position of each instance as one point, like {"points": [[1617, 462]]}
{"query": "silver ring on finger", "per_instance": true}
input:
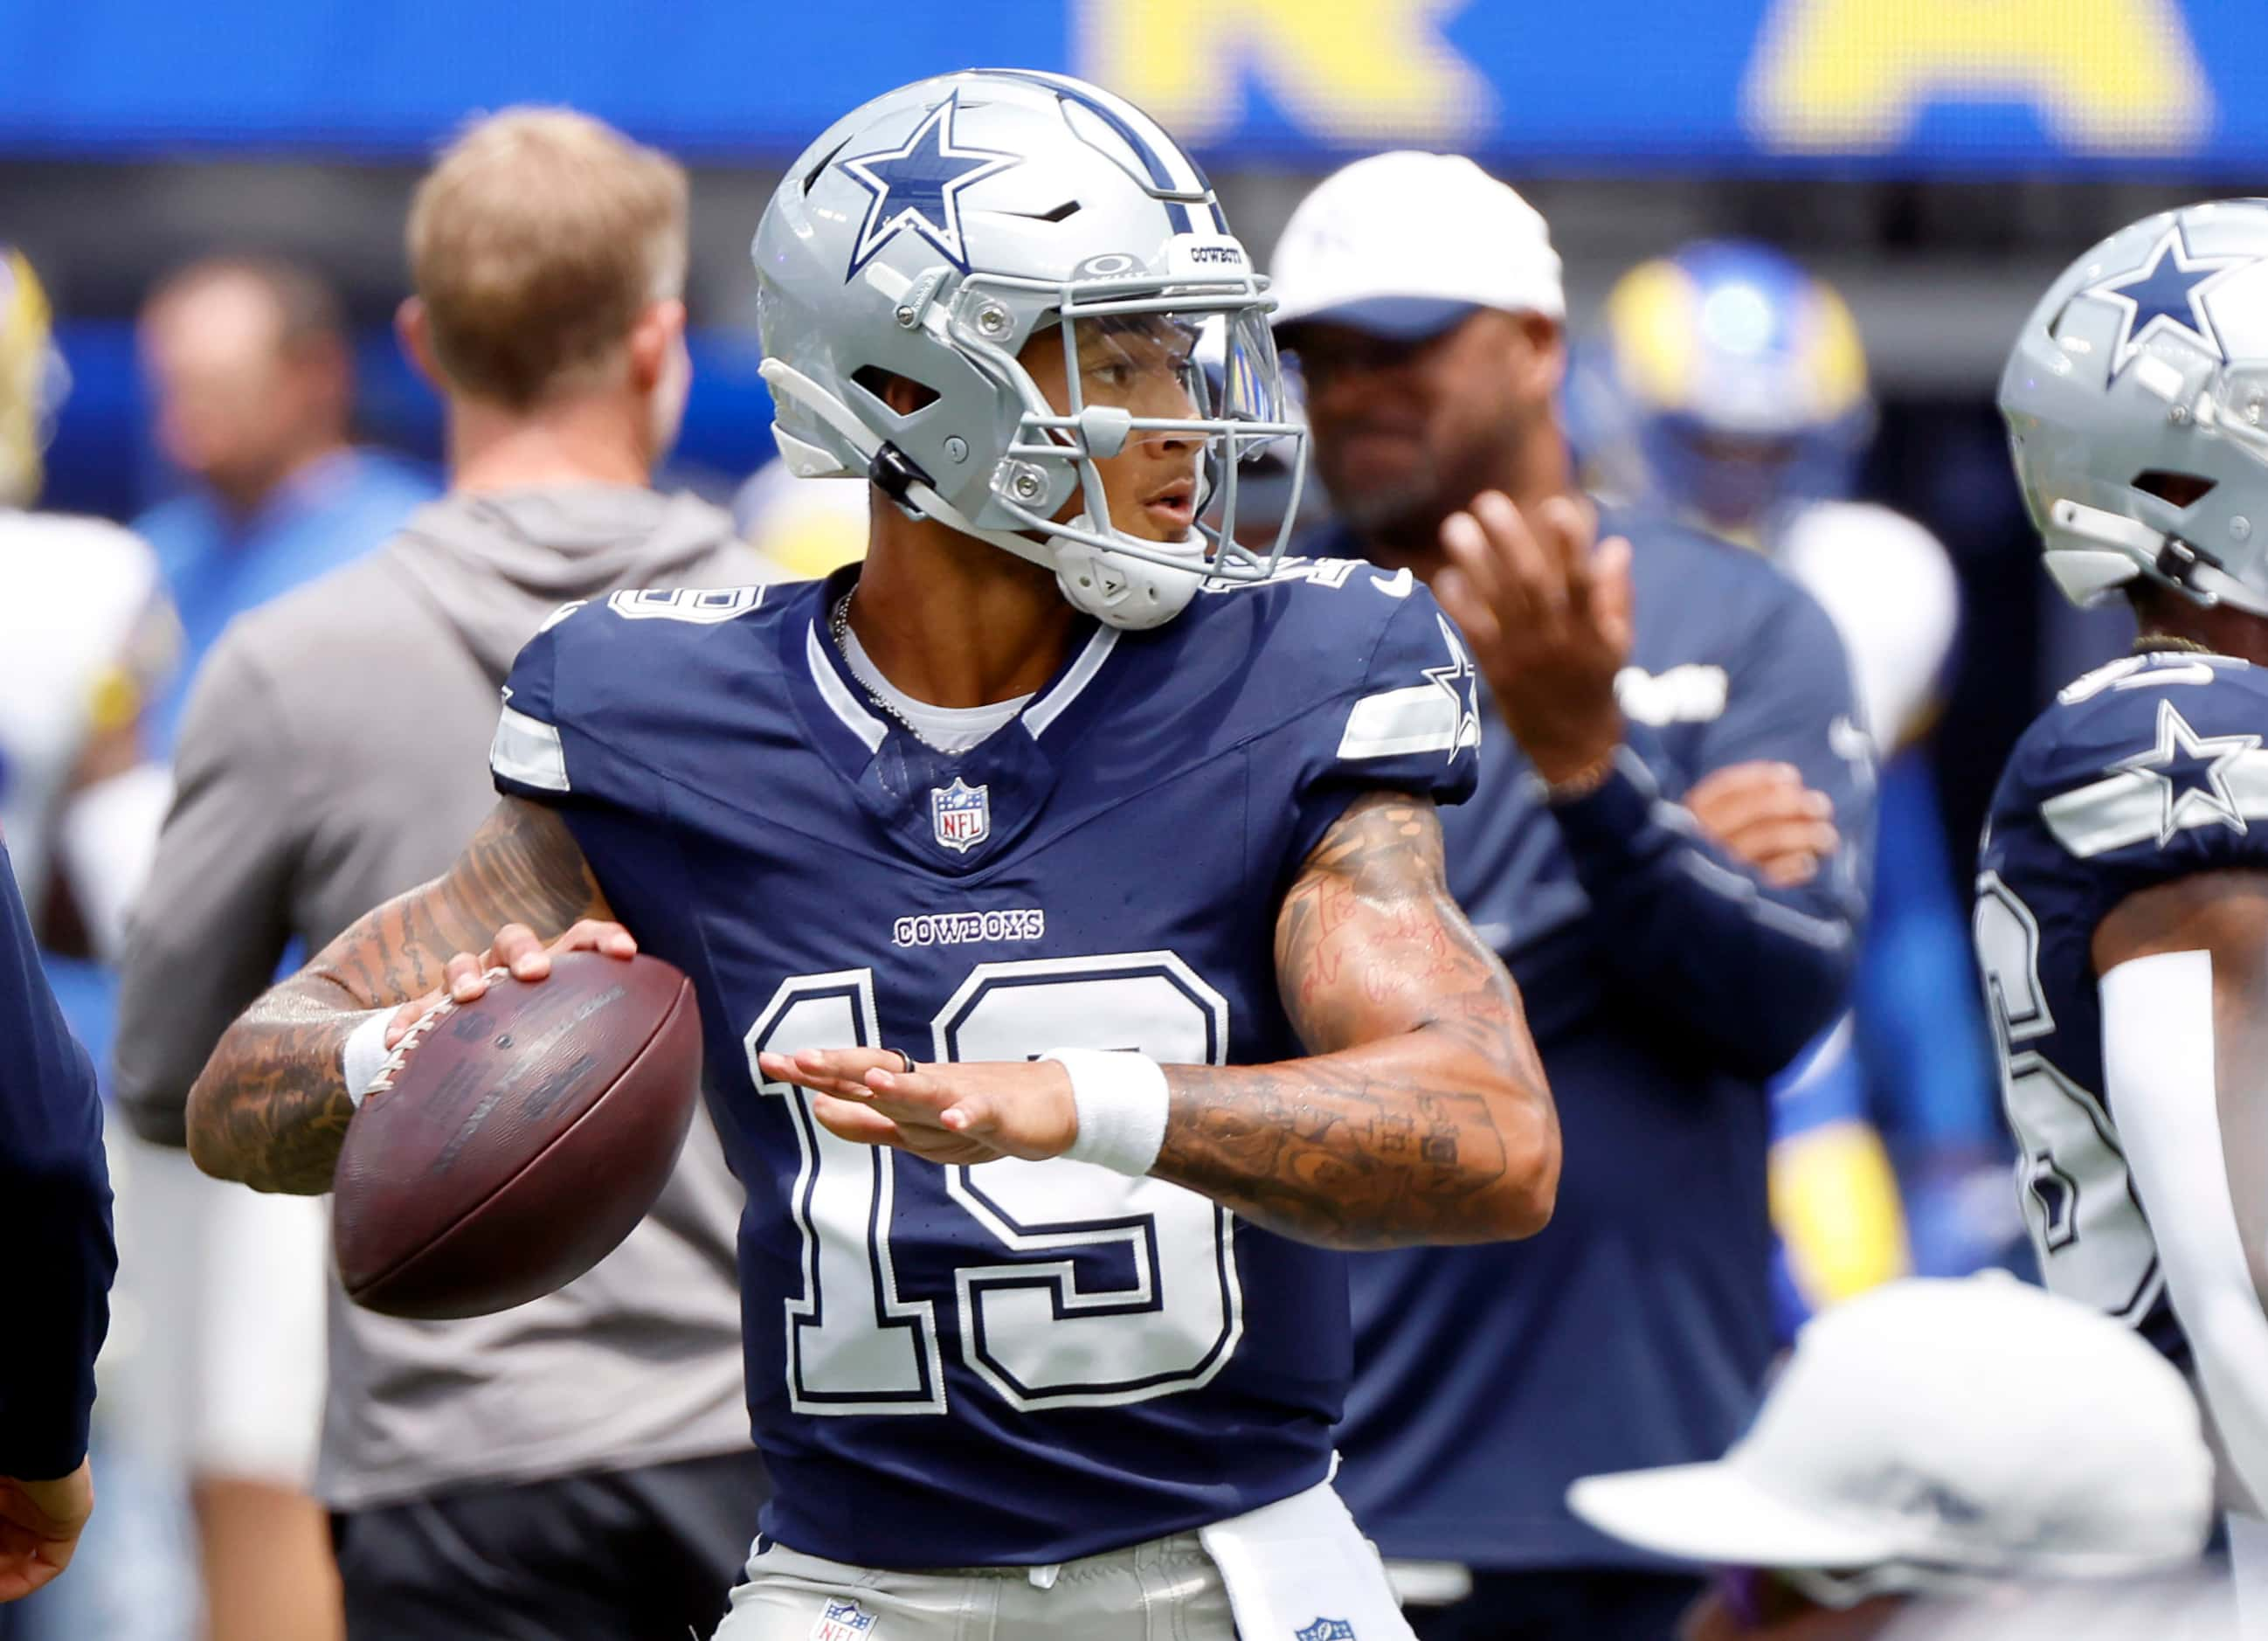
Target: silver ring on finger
{"points": [[906, 1067]]}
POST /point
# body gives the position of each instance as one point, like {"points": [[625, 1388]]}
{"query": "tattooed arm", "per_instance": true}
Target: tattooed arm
{"points": [[1422, 1114], [271, 1107]]}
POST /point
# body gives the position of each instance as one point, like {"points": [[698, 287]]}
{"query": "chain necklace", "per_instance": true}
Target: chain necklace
{"points": [[2151, 641], [838, 628]]}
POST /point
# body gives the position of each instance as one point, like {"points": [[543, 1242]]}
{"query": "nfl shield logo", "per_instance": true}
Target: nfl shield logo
{"points": [[843, 1621], [1327, 1630], [962, 814]]}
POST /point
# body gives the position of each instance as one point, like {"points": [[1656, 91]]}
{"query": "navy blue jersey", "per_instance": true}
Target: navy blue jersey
{"points": [[1021, 1362], [2145, 770], [1664, 987]]}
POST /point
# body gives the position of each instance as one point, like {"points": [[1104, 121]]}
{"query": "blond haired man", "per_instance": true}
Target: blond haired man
{"points": [[579, 1466]]}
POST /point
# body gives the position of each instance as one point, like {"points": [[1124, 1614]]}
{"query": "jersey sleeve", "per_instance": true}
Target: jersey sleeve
{"points": [[555, 743], [55, 1213], [2146, 771], [1409, 722]]}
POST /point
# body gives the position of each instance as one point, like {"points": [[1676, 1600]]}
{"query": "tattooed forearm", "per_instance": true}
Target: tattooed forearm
{"points": [[271, 1108], [1423, 1116]]}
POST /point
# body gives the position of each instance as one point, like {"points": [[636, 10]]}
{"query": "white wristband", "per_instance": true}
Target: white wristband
{"points": [[364, 1053], [1121, 1100]]}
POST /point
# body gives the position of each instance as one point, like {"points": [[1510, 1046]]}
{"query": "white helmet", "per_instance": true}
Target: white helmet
{"points": [[2137, 403], [928, 236]]}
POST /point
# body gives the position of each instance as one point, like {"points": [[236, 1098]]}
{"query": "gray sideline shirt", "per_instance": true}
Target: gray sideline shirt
{"points": [[335, 754]]}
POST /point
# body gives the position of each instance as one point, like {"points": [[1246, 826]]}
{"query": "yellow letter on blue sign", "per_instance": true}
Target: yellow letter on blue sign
{"points": [[2106, 76], [1375, 69]]}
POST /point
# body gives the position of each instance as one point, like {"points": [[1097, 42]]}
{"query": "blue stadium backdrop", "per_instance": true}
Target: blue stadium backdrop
{"points": [[1908, 86]]}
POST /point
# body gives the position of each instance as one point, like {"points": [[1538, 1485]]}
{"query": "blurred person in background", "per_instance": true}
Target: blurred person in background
{"points": [[1934, 1459], [578, 1465], [247, 362], [86, 638], [1668, 849], [803, 531], [54, 1221], [253, 388], [87, 642], [2122, 903], [1726, 386]]}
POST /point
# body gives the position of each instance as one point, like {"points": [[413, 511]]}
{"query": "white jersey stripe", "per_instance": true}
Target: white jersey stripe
{"points": [[1049, 707], [2130, 807], [528, 750], [861, 723], [1422, 717]]}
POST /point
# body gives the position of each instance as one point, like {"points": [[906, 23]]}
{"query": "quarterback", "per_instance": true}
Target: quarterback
{"points": [[1063, 891], [2122, 911]]}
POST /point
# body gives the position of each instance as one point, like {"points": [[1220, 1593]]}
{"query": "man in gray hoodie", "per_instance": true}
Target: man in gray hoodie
{"points": [[579, 1466]]}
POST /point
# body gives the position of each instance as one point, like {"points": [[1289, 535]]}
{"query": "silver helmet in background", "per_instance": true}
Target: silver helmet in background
{"points": [[2137, 403]]}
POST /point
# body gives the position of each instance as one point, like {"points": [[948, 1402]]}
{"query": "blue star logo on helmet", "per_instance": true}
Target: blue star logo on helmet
{"points": [[917, 187], [2165, 296]]}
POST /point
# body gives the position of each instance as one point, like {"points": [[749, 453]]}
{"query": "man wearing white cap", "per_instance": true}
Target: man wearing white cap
{"points": [[1937, 1438], [1666, 850]]}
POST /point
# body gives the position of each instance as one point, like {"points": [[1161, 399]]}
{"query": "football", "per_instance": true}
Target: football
{"points": [[510, 1144]]}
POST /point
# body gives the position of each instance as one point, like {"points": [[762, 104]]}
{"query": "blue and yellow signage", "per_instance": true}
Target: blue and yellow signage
{"points": [[1901, 85]]}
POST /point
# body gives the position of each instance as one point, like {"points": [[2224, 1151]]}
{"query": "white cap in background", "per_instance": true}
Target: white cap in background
{"points": [[1406, 244], [1979, 1427]]}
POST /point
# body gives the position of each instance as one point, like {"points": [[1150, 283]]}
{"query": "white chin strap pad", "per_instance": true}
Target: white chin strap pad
{"points": [[1124, 592]]}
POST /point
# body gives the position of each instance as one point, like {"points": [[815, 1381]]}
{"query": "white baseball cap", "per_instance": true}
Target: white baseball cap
{"points": [[1406, 244], [1979, 1427]]}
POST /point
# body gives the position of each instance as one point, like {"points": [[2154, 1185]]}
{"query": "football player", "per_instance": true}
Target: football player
{"points": [[1079, 861], [2121, 909]]}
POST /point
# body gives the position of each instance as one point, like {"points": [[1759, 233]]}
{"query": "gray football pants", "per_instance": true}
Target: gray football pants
{"points": [[1165, 1590]]}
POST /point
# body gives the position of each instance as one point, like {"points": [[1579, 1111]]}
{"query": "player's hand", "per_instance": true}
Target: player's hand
{"points": [[39, 1525], [1764, 815], [1549, 620], [517, 951], [974, 1112]]}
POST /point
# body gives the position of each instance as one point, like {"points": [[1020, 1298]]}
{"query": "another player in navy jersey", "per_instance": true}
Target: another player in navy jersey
{"points": [[1107, 861], [2122, 909]]}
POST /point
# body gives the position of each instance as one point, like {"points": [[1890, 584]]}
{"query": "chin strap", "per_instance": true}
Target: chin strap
{"points": [[1094, 581]]}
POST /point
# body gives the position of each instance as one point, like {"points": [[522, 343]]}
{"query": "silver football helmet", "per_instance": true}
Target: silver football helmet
{"points": [[933, 232], [2136, 404]]}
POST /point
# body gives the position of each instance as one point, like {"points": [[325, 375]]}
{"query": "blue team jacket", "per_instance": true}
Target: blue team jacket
{"points": [[1664, 987]]}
